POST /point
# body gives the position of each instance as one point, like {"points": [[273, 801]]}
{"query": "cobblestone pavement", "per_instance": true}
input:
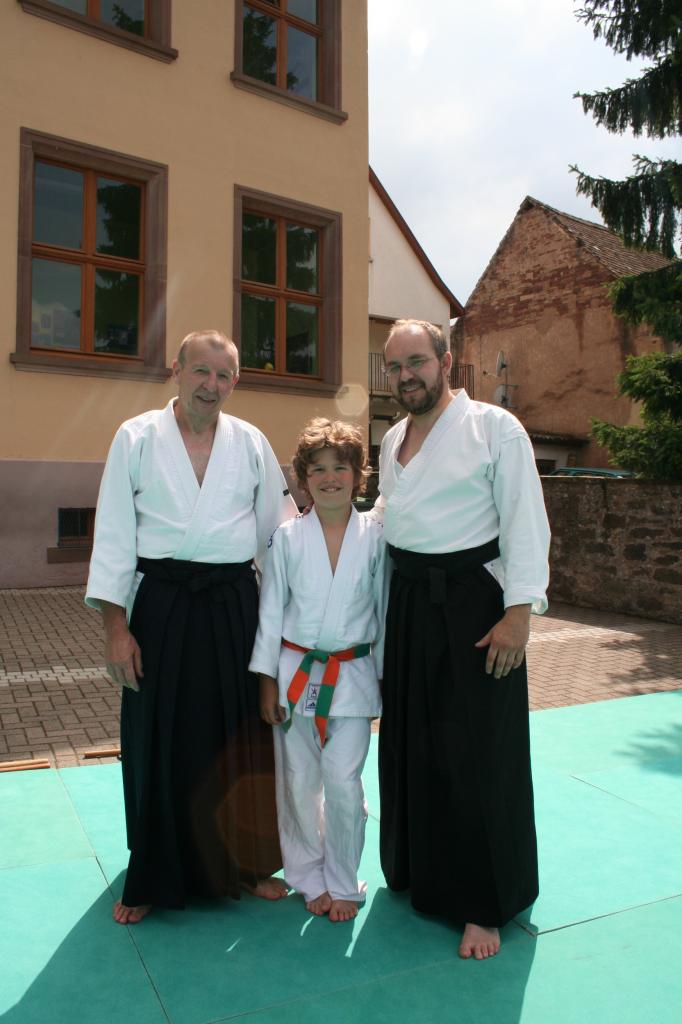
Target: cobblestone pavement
{"points": [[56, 702]]}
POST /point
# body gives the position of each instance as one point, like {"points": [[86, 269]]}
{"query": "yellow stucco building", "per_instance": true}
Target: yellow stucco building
{"points": [[169, 166]]}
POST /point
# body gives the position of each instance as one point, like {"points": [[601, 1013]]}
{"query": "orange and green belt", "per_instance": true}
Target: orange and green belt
{"points": [[332, 660]]}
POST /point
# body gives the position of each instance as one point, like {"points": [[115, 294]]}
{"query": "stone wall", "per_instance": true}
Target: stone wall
{"points": [[616, 545]]}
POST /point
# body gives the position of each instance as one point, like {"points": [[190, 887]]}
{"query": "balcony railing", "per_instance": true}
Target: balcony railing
{"points": [[461, 376]]}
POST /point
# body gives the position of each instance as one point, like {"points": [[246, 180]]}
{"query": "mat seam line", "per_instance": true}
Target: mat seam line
{"points": [[111, 893], [331, 992], [622, 799], [600, 917]]}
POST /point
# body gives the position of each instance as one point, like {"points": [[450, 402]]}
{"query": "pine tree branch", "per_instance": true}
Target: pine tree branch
{"points": [[651, 103], [654, 298], [642, 28], [644, 209]]}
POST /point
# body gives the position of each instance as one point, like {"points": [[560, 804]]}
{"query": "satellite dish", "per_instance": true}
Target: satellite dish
{"points": [[500, 396], [501, 364]]}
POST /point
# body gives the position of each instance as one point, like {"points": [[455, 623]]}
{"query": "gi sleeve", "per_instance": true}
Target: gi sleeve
{"points": [[383, 568], [273, 504], [524, 529], [377, 512], [114, 551], [274, 597]]}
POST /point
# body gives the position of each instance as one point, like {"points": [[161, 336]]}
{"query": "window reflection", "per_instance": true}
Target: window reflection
{"points": [[258, 333], [55, 305], [302, 248], [260, 45], [117, 302], [125, 14], [301, 63], [58, 207], [302, 338], [306, 9], [79, 6], [118, 218], [259, 248]]}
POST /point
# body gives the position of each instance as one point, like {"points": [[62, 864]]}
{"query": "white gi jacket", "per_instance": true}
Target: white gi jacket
{"points": [[151, 505], [473, 479], [303, 602]]}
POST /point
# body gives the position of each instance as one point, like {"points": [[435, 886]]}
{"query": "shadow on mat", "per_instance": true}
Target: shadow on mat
{"points": [[215, 961], [93, 976], [438, 986], [659, 750]]}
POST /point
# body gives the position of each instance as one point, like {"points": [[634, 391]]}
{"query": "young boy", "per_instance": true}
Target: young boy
{"points": [[322, 607]]}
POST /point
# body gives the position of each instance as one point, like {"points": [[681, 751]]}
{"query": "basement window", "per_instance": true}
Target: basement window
{"points": [[75, 532]]}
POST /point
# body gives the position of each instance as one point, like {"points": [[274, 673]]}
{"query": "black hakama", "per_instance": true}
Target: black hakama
{"points": [[198, 768], [457, 821]]}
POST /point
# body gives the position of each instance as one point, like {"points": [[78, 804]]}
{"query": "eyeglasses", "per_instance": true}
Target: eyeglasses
{"points": [[413, 364]]}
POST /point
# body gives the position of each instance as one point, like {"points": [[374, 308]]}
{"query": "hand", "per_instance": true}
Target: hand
{"points": [[271, 711], [123, 659], [506, 641], [121, 651]]}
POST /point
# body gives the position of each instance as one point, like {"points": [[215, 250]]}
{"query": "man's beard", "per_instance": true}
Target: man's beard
{"points": [[428, 401]]}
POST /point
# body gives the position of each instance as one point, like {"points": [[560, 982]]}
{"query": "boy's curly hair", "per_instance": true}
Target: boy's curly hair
{"points": [[343, 438]]}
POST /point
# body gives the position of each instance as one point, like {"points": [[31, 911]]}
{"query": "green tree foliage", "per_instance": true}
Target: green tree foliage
{"points": [[654, 450], [654, 297], [645, 208], [129, 23], [654, 453]]}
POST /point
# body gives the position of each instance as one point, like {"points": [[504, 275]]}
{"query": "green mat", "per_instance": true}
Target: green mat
{"points": [[603, 942]]}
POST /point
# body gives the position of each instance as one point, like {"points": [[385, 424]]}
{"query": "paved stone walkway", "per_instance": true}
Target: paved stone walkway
{"points": [[56, 701]]}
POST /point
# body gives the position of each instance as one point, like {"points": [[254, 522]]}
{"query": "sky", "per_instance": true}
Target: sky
{"points": [[471, 110]]}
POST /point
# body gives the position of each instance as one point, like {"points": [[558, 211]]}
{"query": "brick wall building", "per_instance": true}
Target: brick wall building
{"points": [[542, 302]]}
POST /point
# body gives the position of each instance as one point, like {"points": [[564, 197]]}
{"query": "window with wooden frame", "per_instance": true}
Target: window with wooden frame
{"points": [[287, 308], [290, 50], [75, 532], [92, 253], [141, 25], [75, 527]]}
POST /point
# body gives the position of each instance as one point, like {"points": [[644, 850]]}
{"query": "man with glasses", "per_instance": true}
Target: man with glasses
{"points": [[188, 498], [465, 521]]}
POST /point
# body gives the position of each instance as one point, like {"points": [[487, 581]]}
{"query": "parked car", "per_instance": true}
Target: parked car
{"points": [[589, 471]]}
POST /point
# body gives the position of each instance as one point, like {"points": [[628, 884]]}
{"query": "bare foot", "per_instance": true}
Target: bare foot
{"points": [[129, 915], [479, 942], [268, 888], [320, 905], [343, 910]]}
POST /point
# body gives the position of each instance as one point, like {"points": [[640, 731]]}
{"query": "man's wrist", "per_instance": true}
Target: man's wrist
{"points": [[114, 619], [518, 611]]}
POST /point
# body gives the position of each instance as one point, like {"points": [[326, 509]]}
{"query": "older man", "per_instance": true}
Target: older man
{"points": [[465, 520], [188, 498]]}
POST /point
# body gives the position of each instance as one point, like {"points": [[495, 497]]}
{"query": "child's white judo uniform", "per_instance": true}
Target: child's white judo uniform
{"points": [[320, 800]]}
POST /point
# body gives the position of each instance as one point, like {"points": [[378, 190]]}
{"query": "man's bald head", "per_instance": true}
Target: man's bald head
{"points": [[433, 333], [217, 339]]}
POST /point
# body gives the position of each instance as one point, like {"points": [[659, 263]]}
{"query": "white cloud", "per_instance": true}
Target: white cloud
{"points": [[471, 109]]}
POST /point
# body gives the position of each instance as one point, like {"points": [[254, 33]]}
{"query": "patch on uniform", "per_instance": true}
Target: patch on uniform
{"points": [[272, 536], [286, 491], [311, 696]]}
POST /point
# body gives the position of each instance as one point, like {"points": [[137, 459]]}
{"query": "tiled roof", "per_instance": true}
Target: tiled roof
{"points": [[602, 243]]}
